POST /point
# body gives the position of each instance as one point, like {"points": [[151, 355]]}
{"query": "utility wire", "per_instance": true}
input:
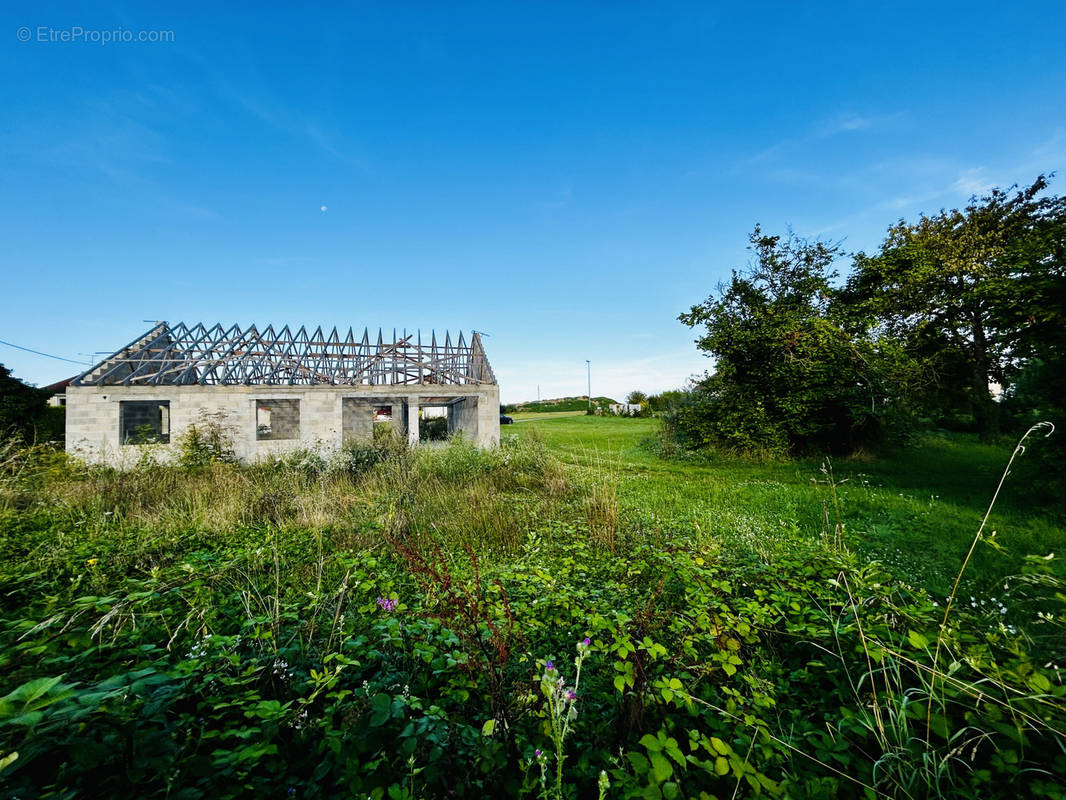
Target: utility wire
{"points": [[38, 352]]}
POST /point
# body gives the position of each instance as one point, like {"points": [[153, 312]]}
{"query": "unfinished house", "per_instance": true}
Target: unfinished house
{"points": [[275, 391]]}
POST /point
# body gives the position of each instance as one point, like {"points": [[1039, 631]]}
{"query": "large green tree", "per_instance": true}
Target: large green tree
{"points": [[972, 292], [788, 376], [23, 409]]}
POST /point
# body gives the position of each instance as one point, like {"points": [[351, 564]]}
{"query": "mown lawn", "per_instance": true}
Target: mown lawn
{"points": [[525, 416]]}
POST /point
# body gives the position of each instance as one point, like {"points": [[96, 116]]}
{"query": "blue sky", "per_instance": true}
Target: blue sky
{"points": [[565, 177]]}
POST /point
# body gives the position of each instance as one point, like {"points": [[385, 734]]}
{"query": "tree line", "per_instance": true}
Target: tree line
{"points": [[958, 319], [25, 415]]}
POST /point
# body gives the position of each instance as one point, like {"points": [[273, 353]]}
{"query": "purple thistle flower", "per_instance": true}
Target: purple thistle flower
{"points": [[536, 753], [571, 695], [549, 667], [587, 641]]}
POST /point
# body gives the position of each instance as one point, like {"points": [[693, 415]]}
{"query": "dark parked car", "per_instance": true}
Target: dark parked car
{"points": [[506, 420]]}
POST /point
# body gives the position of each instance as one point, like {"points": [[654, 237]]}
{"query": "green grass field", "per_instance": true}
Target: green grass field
{"points": [[570, 615], [530, 416], [915, 510]]}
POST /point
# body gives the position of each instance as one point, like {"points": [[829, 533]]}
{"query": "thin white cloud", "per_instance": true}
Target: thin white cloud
{"points": [[846, 123], [972, 182], [932, 193], [110, 138], [335, 145], [1052, 150], [294, 122], [842, 123]]}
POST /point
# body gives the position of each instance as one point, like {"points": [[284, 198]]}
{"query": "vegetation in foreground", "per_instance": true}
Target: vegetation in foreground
{"points": [[568, 616]]}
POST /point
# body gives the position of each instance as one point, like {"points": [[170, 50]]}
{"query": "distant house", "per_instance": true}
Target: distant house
{"points": [[624, 409], [276, 390], [57, 392]]}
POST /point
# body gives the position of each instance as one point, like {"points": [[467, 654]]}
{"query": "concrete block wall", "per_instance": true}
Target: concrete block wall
{"points": [[488, 417], [93, 415], [358, 415], [357, 418], [462, 416]]}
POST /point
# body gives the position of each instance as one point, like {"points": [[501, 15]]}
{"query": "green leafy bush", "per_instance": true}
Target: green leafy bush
{"points": [[25, 413], [792, 371], [702, 420], [391, 652], [207, 441]]}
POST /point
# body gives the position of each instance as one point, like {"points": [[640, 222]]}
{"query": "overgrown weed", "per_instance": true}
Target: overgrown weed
{"points": [[938, 729], [375, 623]]}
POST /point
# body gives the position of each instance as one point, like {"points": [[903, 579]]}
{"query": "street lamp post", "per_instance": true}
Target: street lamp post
{"points": [[588, 365]]}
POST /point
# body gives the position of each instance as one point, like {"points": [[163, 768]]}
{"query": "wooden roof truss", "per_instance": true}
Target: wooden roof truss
{"points": [[211, 356]]}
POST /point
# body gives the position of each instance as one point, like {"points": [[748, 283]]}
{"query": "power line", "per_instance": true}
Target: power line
{"points": [[38, 352]]}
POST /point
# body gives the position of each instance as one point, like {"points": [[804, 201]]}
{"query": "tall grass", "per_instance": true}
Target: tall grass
{"points": [[931, 722], [458, 493], [601, 511]]}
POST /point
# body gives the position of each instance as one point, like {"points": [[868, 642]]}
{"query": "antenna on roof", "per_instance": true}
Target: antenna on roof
{"points": [[479, 333], [94, 355]]}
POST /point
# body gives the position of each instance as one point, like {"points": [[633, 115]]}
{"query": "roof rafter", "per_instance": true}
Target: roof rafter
{"points": [[212, 355]]}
